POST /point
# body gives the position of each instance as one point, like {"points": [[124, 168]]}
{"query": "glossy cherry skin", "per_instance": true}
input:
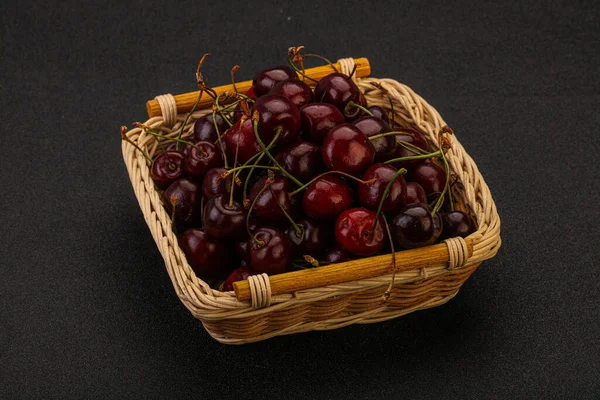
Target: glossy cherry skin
{"points": [[204, 128], [380, 113], [187, 206], [430, 176], [370, 194], [238, 274], [241, 137], [414, 194], [294, 90], [312, 240], [222, 221], [456, 223], [241, 249], [213, 185], [336, 255], [266, 208], [347, 149], [337, 89], [302, 160], [327, 197], [354, 232], [197, 164], [318, 119], [167, 168], [351, 112], [273, 255], [264, 81], [414, 226], [183, 147], [372, 126], [208, 257], [415, 138], [277, 112]]}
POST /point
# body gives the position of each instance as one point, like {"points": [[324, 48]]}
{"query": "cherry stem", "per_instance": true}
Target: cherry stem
{"points": [[418, 157], [233, 71], [220, 108], [410, 147], [400, 132], [440, 200], [301, 188], [258, 156], [301, 72], [156, 134], [311, 260], [322, 58], [387, 94], [138, 148], [237, 169], [214, 114], [237, 148], [387, 293], [187, 118], [268, 183], [288, 216], [386, 192], [262, 144], [365, 110]]}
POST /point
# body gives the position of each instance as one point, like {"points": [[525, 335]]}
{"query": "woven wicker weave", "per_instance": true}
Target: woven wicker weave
{"points": [[231, 321]]}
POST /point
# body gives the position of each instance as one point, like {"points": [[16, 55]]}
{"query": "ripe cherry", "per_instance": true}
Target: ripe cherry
{"points": [[277, 113], [347, 149], [184, 148], [336, 255], [224, 220], [294, 90], [209, 258], [327, 197], [213, 185], [204, 128], [312, 239], [167, 168], [200, 159], [273, 252], [266, 208], [415, 138], [371, 126], [238, 274], [318, 119], [370, 194], [187, 195], [414, 194], [337, 89], [456, 223], [416, 226], [264, 81], [351, 112], [241, 248], [354, 232], [241, 137], [430, 176], [302, 160], [379, 112]]}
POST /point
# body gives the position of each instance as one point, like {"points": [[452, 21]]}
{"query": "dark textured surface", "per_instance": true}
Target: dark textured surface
{"points": [[86, 307]]}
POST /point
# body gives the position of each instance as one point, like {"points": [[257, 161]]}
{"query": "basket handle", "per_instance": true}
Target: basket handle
{"points": [[455, 252], [185, 102]]}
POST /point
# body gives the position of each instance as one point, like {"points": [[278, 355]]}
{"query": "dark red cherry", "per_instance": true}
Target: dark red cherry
{"points": [[209, 258], [241, 248], [414, 194], [327, 197], [204, 128], [312, 239], [238, 274], [241, 137], [318, 119], [200, 159], [213, 185], [183, 147], [337, 89], [294, 90], [266, 208], [277, 112], [415, 138], [274, 253], [456, 223], [237, 113], [351, 112], [370, 194], [415, 226], [354, 232], [187, 206], [430, 176], [336, 255], [347, 149], [222, 221], [302, 160], [167, 168], [264, 81], [372, 126], [379, 112]]}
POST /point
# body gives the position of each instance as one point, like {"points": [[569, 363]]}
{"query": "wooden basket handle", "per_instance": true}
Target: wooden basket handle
{"points": [[185, 102]]}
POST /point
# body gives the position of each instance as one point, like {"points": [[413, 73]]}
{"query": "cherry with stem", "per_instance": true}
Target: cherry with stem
{"points": [[268, 183], [401, 171], [306, 185]]}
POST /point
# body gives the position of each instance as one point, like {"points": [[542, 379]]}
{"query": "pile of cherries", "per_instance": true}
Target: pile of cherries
{"points": [[286, 177]]}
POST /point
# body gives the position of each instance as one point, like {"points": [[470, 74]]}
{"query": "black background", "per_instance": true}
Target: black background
{"points": [[87, 309]]}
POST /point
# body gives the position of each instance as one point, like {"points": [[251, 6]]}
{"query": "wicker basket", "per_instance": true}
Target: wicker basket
{"points": [[266, 313]]}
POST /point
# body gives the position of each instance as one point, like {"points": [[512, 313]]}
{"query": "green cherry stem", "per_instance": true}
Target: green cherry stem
{"points": [[187, 118], [387, 293], [306, 185], [288, 216], [214, 114], [419, 157], [138, 148], [268, 183], [256, 158], [365, 110], [401, 171], [400, 132], [440, 200], [323, 59], [158, 135], [298, 70], [410, 147]]}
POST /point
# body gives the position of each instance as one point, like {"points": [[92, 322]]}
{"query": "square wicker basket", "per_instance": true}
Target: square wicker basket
{"points": [[262, 307]]}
